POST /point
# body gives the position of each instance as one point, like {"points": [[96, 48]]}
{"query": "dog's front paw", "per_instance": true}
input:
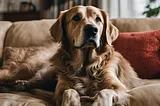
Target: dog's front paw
{"points": [[108, 97], [21, 85], [105, 97], [71, 98]]}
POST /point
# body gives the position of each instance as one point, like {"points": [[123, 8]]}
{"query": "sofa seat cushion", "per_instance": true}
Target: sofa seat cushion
{"points": [[147, 95], [142, 50], [29, 33], [20, 99]]}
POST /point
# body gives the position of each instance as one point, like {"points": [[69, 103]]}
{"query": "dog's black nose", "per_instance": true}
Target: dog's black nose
{"points": [[90, 30]]}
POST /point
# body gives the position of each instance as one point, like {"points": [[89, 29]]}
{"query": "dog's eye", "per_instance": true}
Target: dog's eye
{"points": [[98, 19], [76, 18]]}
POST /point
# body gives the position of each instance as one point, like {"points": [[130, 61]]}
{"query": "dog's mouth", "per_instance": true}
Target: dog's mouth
{"points": [[91, 43]]}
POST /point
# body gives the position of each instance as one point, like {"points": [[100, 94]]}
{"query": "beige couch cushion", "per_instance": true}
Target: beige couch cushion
{"points": [[147, 95], [136, 25], [4, 26], [20, 99], [29, 33]]}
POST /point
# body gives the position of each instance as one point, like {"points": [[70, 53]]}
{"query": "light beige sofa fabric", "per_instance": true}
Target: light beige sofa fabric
{"points": [[148, 95], [29, 33], [20, 99], [136, 25]]}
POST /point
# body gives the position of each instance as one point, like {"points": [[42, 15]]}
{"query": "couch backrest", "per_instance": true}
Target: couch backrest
{"points": [[136, 25], [32, 33], [29, 33]]}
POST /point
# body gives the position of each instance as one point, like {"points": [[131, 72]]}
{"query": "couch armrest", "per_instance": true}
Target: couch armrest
{"points": [[4, 26]]}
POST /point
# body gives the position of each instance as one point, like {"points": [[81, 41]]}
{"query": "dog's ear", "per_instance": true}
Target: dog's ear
{"points": [[58, 27], [110, 32]]}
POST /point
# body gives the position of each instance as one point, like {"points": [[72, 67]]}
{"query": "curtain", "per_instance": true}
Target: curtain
{"points": [[124, 8]]}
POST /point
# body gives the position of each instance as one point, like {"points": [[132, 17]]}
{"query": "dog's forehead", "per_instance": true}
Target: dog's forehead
{"points": [[93, 10], [77, 8], [85, 10]]}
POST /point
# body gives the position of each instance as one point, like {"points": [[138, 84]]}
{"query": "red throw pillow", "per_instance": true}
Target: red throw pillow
{"points": [[141, 49]]}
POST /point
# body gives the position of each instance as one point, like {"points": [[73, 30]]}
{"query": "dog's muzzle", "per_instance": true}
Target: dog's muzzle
{"points": [[90, 32]]}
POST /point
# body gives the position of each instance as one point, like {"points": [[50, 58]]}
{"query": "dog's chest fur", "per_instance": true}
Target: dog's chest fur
{"points": [[86, 78], [86, 84]]}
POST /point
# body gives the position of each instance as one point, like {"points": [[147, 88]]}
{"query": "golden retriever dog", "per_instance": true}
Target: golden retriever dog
{"points": [[85, 62]]}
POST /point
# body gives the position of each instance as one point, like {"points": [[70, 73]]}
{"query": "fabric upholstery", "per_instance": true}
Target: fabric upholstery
{"points": [[147, 95], [4, 26], [136, 25], [29, 33], [20, 99], [142, 51]]}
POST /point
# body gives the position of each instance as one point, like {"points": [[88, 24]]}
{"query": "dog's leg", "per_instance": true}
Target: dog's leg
{"points": [[71, 98], [112, 82], [103, 98], [64, 95], [46, 80], [35, 82], [25, 85]]}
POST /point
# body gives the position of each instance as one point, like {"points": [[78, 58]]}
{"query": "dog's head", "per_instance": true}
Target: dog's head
{"points": [[84, 26]]}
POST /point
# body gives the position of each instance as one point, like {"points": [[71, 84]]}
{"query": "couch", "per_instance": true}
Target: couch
{"points": [[33, 33]]}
